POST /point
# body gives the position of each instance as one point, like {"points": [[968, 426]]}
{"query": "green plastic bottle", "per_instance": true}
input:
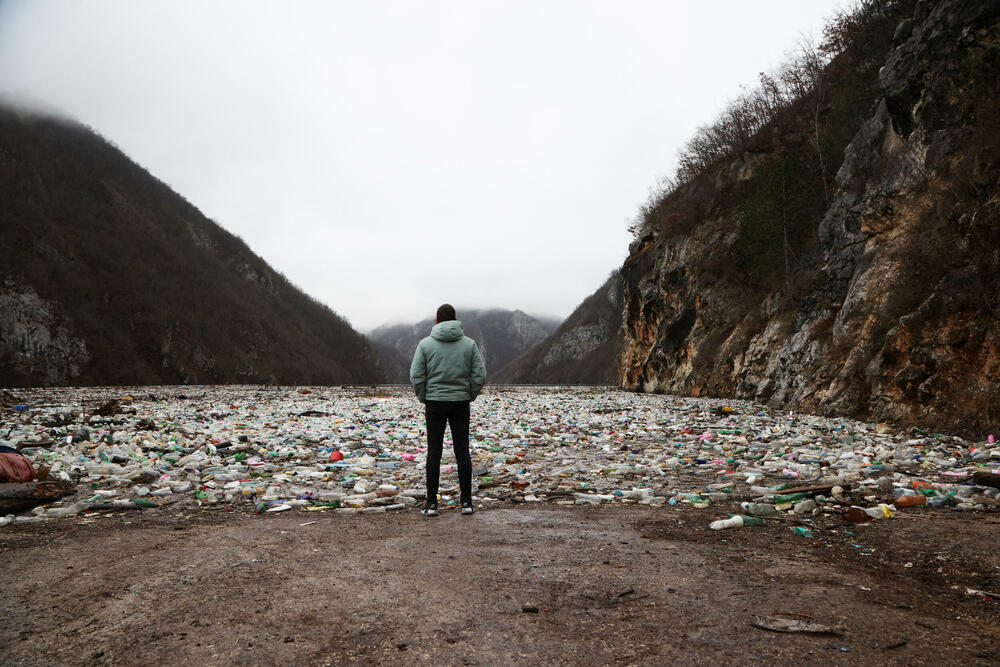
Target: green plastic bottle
{"points": [[751, 520]]}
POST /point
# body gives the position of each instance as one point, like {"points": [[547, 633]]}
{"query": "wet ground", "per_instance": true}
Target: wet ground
{"points": [[514, 584]]}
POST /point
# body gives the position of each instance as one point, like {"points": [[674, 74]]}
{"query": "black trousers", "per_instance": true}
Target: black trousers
{"points": [[456, 415]]}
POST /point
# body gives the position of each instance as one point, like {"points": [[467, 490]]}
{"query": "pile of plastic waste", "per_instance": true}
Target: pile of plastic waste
{"points": [[363, 449]]}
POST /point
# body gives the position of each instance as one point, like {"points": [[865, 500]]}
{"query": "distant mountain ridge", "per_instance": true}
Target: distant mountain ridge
{"points": [[501, 335], [110, 277], [583, 350]]}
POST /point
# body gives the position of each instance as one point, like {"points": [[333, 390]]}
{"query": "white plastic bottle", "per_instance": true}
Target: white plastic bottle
{"points": [[735, 521]]}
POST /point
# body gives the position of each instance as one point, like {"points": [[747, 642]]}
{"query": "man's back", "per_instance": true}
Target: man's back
{"points": [[447, 365], [447, 374]]}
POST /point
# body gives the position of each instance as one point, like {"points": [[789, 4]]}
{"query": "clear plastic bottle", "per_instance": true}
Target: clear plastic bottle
{"points": [[759, 509], [805, 506]]}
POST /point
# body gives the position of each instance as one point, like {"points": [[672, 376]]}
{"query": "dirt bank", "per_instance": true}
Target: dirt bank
{"points": [[629, 585]]}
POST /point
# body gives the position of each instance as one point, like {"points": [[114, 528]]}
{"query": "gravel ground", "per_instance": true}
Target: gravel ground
{"points": [[519, 584]]}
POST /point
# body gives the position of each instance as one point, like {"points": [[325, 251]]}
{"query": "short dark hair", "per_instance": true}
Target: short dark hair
{"points": [[446, 312]]}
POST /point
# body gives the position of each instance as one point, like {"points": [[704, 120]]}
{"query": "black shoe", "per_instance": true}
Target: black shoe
{"points": [[430, 509], [467, 507]]}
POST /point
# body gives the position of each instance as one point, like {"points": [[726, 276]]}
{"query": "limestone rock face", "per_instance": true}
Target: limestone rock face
{"points": [[36, 338], [893, 312], [575, 343]]}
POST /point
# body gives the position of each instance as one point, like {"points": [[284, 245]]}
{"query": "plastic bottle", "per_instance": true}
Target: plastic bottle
{"points": [[75, 508], [805, 506], [855, 514], [880, 511], [804, 532], [735, 521], [759, 509], [910, 500]]}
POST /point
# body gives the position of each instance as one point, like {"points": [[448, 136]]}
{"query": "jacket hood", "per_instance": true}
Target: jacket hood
{"points": [[447, 331]]}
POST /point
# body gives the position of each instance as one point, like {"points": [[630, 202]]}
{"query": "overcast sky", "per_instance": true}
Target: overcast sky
{"points": [[390, 156]]}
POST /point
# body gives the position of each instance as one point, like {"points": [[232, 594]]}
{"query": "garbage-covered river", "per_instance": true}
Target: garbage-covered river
{"points": [[362, 449]]}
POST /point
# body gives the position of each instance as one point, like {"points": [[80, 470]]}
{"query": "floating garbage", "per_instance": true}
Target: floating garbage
{"points": [[351, 449]]}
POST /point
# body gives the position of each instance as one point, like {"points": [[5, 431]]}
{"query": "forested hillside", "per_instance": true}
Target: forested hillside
{"points": [[110, 277]]}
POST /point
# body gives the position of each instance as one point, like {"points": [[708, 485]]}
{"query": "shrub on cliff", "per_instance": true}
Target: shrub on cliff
{"points": [[810, 107]]}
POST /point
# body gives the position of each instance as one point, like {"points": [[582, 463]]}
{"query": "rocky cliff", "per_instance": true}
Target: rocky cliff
{"points": [[109, 277], [583, 350], [874, 293], [501, 335]]}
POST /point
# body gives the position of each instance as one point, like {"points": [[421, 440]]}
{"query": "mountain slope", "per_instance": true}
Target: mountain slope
{"points": [[501, 335], [845, 258], [583, 350], [110, 277]]}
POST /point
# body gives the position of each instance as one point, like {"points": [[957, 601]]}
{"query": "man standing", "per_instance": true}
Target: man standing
{"points": [[447, 374]]}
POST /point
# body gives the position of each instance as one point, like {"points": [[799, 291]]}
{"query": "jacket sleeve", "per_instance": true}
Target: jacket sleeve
{"points": [[477, 375], [418, 374]]}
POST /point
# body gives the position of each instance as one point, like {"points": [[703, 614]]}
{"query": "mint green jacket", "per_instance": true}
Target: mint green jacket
{"points": [[447, 365]]}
